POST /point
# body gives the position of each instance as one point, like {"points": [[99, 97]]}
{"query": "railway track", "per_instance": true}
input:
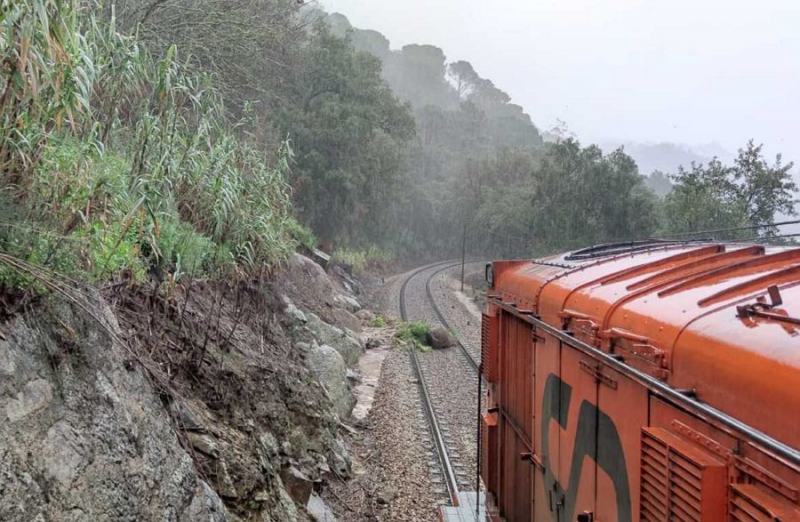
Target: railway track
{"points": [[474, 363], [448, 465]]}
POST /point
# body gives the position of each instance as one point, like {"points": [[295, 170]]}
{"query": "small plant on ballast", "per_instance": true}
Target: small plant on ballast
{"points": [[414, 333]]}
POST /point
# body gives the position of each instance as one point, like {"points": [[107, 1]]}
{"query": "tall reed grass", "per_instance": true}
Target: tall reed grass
{"points": [[118, 161]]}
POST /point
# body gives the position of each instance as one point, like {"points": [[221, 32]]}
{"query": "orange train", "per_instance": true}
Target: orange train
{"points": [[646, 381]]}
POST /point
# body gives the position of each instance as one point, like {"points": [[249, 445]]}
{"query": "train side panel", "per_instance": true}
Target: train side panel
{"points": [[599, 445], [515, 416], [651, 386], [622, 410]]}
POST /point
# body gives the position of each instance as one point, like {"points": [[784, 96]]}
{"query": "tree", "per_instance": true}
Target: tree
{"points": [[659, 183], [750, 192], [349, 132], [464, 77], [763, 190], [563, 197]]}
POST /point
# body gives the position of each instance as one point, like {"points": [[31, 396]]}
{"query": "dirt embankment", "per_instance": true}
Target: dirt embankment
{"points": [[186, 402]]}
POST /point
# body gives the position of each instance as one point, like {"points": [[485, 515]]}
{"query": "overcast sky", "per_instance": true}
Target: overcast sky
{"points": [[688, 71]]}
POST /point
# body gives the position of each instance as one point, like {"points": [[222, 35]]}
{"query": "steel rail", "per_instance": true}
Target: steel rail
{"points": [[444, 459], [660, 389], [473, 363]]}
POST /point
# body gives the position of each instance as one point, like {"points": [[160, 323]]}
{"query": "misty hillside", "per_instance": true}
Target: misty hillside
{"points": [[422, 75], [666, 158]]}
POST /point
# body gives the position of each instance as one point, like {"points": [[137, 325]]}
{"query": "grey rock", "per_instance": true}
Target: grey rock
{"points": [[297, 484], [100, 446], [287, 505], [206, 506], [297, 315], [339, 459], [319, 510], [63, 457], [184, 417], [386, 496], [269, 444], [205, 444], [34, 396], [309, 278], [347, 344], [346, 319], [286, 447], [350, 284], [365, 316], [439, 338], [225, 485], [373, 343], [329, 367], [347, 302], [353, 376]]}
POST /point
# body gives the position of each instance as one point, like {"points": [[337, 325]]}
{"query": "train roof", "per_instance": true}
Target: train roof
{"points": [[720, 320]]}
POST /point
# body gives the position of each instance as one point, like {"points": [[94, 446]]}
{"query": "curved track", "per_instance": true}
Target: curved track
{"points": [[473, 363], [449, 457]]}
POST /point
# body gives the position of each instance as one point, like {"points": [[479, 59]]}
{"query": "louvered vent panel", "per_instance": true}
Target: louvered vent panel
{"points": [[685, 487], [679, 481], [741, 509], [654, 479], [751, 503], [489, 346], [485, 325]]}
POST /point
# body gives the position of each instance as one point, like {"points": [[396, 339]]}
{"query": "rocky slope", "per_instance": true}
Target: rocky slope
{"points": [[178, 401]]}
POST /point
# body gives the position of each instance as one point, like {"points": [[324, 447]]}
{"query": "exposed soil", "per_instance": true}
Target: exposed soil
{"points": [[234, 379]]}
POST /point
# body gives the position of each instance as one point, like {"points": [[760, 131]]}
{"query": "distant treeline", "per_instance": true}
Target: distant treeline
{"points": [[479, 164]]}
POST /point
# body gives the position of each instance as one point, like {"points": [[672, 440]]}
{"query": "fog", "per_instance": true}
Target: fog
{"points": [[716, 71]]}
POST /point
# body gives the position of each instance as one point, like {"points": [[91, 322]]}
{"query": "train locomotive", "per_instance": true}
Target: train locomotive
{"points": [[645, 381]]}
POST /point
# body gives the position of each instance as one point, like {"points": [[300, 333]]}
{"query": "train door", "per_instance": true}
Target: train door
{"points": [[565, 478], [574, 489], [516, 424], [622, 411]]}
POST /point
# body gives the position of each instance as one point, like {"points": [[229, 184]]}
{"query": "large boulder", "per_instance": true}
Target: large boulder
{"points": [[319, 510], [347, 320], [83, 435], [345, 342], [329, 367], [439, 337], [365, 316], [347, 302], [308, 283], [297, 484]]}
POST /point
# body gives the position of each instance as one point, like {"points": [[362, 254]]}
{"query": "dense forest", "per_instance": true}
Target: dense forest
{"points": [[168, 138]]}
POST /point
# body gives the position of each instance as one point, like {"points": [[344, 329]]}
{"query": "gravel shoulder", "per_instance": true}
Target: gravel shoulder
{"points": [[391, 481]]}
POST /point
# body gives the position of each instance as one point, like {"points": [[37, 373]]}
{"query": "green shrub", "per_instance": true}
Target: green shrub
{"points": [[379, 322], [301, 233], [415, 333], [360, 259]]}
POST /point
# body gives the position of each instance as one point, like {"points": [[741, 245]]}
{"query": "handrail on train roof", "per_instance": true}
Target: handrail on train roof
{"points": [[625, 247]]}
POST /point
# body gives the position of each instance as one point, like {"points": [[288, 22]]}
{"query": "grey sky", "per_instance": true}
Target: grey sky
{"points": [[689, 71]]}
